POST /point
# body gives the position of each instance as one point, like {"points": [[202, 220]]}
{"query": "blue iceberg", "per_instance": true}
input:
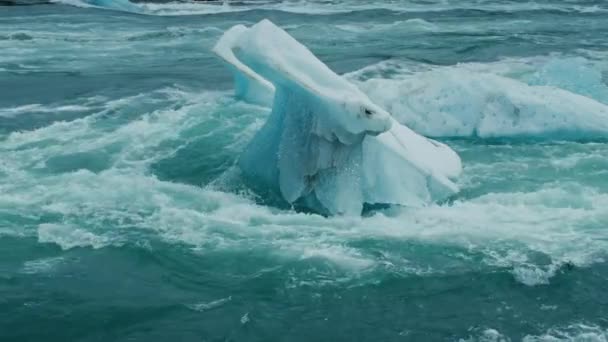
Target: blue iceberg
{"points": [[326, 145]]}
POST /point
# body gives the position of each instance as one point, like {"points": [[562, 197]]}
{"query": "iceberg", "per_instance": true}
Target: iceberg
{"points": [[326, 146], [456, 102]]}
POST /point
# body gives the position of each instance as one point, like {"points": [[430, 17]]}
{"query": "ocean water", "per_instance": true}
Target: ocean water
{"points": [[124, 218]]}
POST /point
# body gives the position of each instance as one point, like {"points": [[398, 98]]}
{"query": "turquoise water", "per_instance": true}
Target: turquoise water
{"points": [[124, 218]]}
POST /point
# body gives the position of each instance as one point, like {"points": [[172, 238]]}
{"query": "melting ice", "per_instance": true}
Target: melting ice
{"points": [[326, 146]]}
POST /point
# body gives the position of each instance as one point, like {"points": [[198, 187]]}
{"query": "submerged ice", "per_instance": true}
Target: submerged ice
{"points": [[326, 146]]}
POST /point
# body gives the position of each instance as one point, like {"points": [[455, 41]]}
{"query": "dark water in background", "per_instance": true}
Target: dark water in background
{"points": [[122, 217]]}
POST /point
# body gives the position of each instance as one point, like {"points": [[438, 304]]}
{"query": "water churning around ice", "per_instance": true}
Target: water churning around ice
{"points": [[124, 215]]}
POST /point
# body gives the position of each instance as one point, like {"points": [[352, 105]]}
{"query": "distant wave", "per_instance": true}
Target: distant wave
{"points": [[119, 5], [173, 8]]}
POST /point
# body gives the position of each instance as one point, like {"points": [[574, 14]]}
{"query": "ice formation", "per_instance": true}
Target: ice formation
{"points": [[454, 101], [326, 145]]}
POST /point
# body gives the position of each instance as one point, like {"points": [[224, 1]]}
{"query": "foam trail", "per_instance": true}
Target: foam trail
{"points": [[326, 146]]}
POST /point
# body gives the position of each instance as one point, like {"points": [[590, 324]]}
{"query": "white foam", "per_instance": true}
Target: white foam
{"points": [[68, 237], [487, 335], [134, 139], [10, 112], [533, 275], [506, 228], [489, 225], [573, 333], [347, 258], [409, 25], [245, 318], [41, 266], [203, 307]]}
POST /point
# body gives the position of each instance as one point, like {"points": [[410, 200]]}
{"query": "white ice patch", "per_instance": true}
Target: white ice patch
{"points": [[326, 145], [459, 101]]}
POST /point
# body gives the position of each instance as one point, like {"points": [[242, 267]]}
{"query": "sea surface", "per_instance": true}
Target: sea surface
{"points": [[124, 218]]}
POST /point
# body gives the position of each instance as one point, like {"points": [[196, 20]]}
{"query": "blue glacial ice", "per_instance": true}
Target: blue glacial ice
{"points": [[326, 145]]}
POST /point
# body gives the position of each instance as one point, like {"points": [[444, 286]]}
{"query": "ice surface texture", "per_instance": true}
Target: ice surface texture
{"points": [[456, 102], [326, 145]]}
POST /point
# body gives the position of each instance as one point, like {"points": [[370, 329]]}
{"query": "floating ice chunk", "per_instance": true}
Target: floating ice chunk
{"points": [[248, 85], [326, 145], [458, 102]]}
